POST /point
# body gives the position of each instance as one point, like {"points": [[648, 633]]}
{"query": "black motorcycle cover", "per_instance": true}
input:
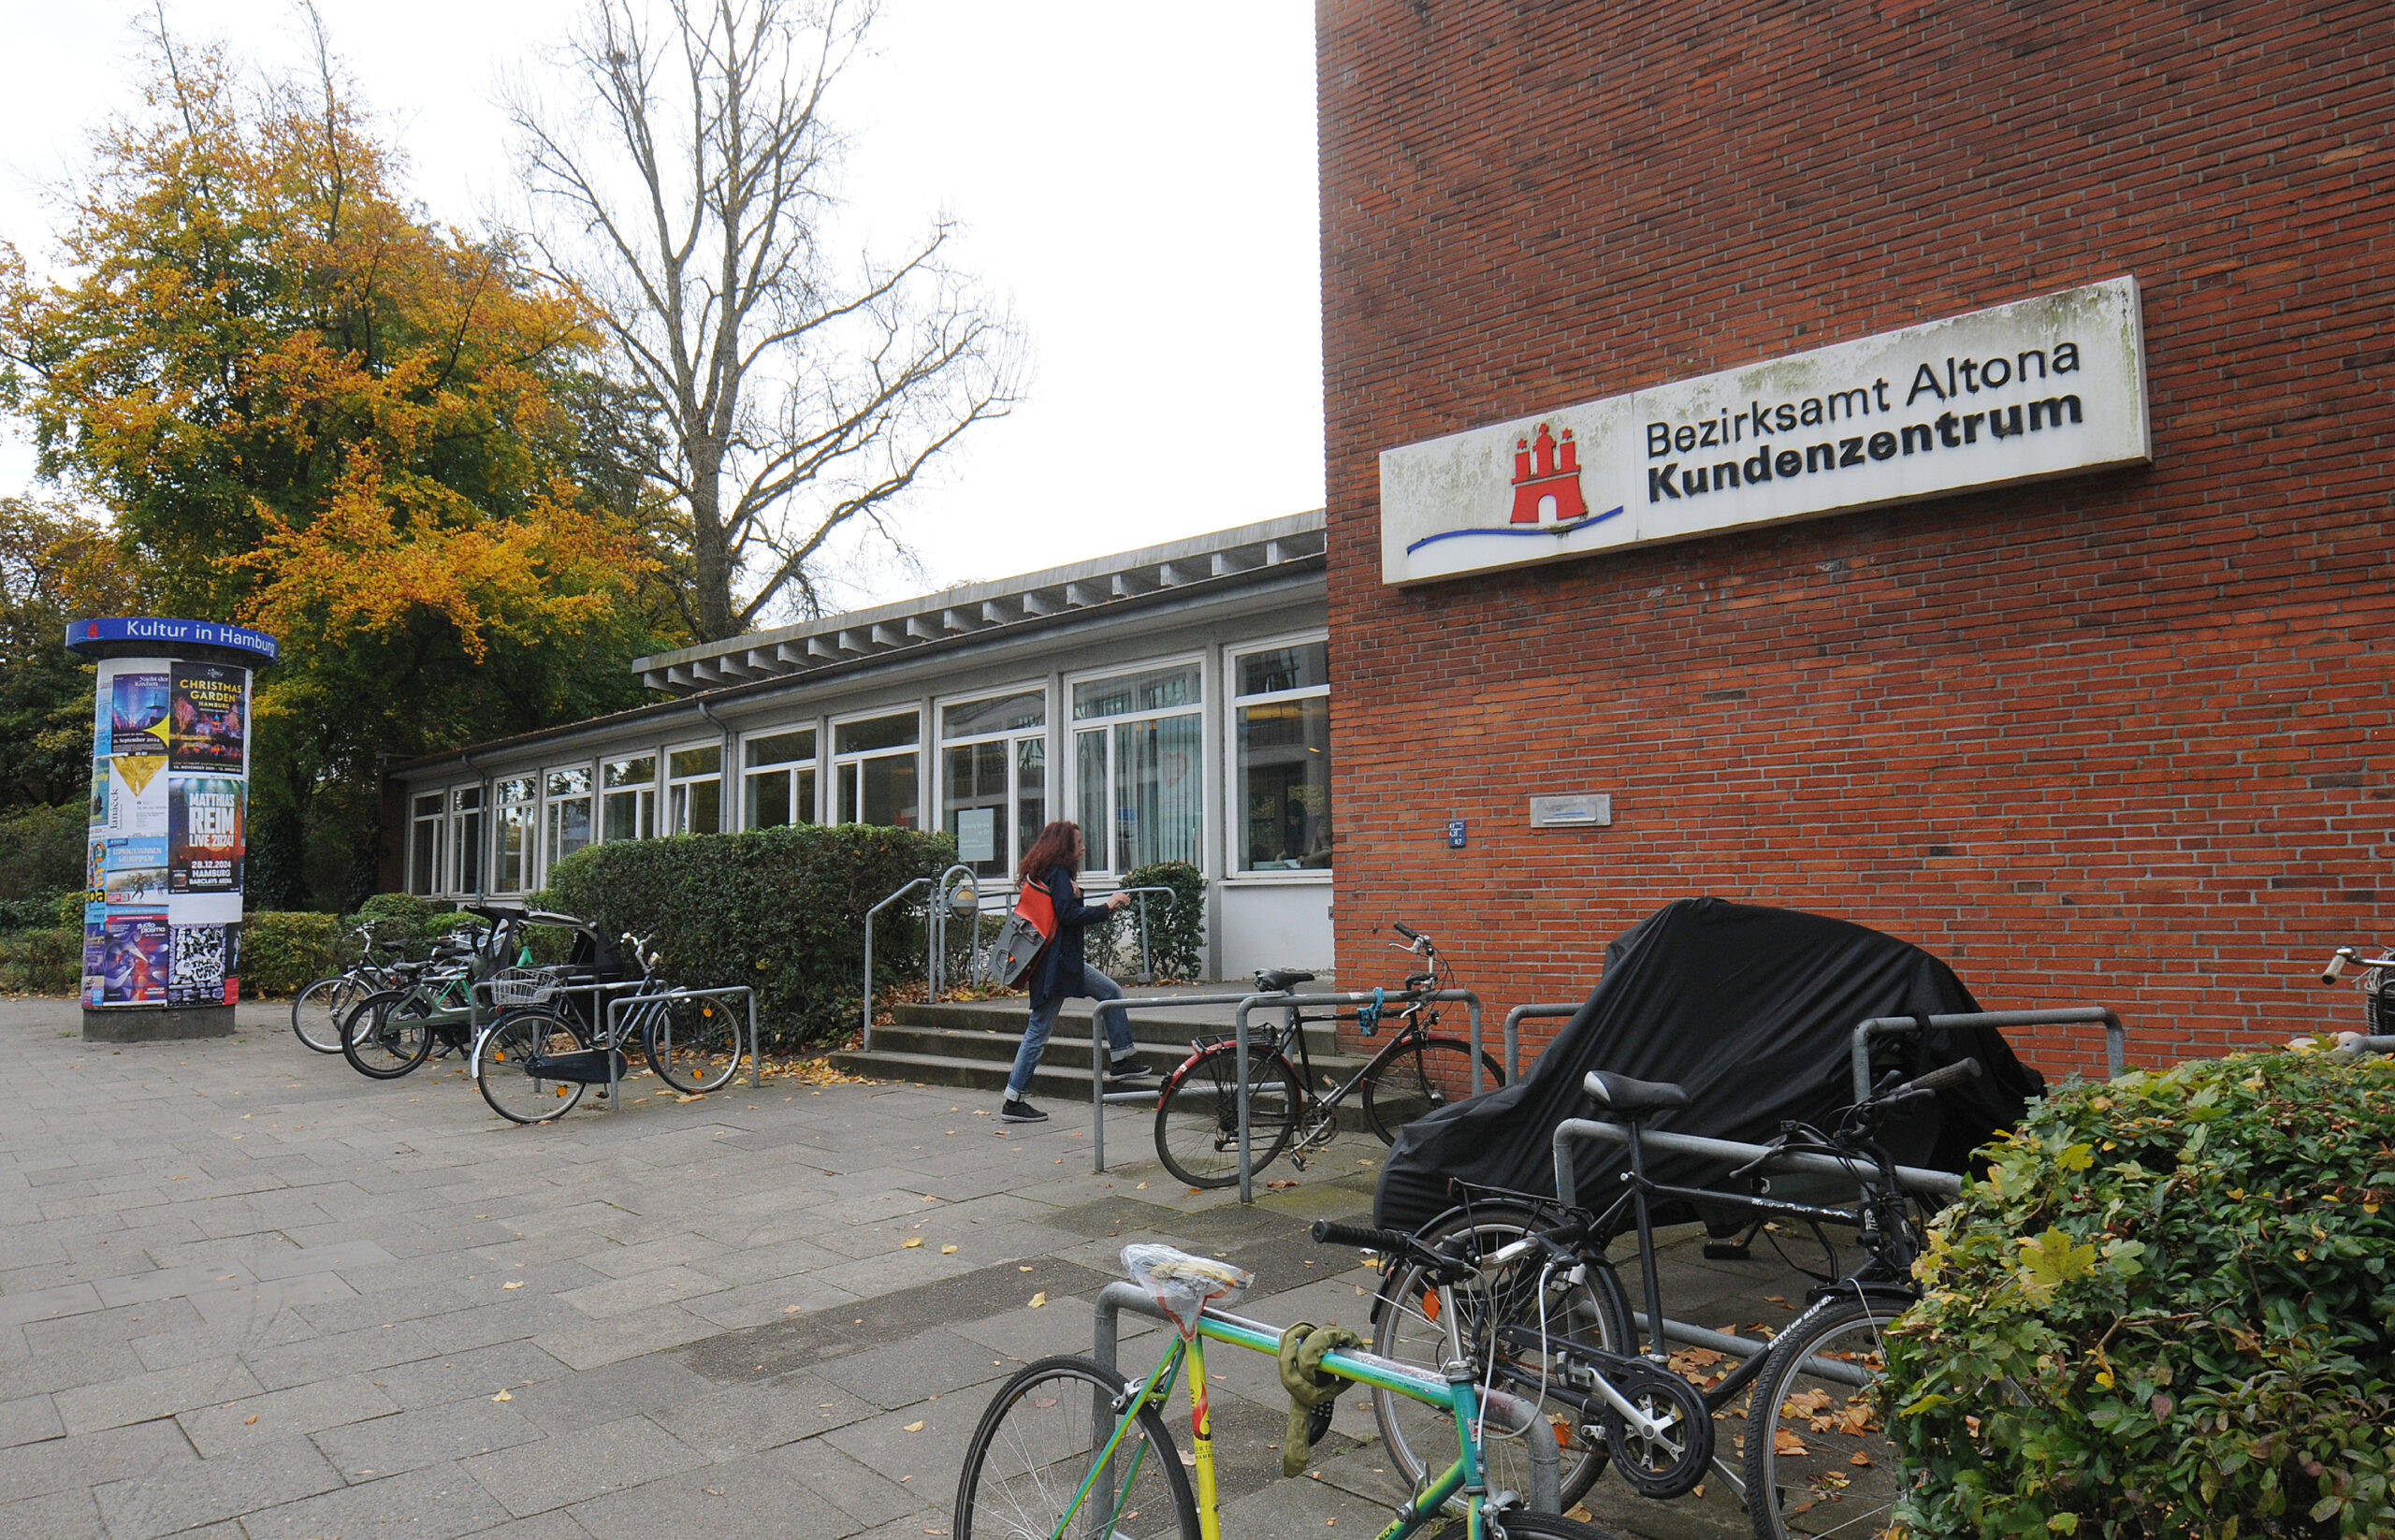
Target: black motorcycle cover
{"points": [[1751, 1008]]}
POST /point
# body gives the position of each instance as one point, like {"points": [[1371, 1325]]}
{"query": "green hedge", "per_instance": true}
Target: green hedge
{"points": [[283, 951], [2168, 1309], [41, 962], [781, 909], [1176, 931]]}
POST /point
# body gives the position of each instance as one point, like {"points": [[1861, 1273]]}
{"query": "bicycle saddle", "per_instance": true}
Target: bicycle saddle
{"points": [[1276, 980], [1620, 1094]]}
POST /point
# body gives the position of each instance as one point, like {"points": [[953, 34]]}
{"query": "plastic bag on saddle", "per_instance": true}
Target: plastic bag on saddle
{"points": [[1184, 1285]]}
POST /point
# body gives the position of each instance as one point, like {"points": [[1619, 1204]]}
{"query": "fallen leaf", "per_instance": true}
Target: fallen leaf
{"points": [[947, 1251], [518, 1284], [1785, 1443], [1858, 1458], [1280, 1184], [247, 1420], [1039, 1299], [1141, 1187], [502, 1396], [912, 1242], [791, 1310], [1023, 1270], [913, 1428], [712, 1492]]}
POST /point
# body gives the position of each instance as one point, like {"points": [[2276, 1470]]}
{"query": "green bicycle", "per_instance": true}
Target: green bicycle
{"points": [[1069, 1450]]}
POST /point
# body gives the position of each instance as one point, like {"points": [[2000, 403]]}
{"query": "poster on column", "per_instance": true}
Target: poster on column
{"points": [[95, 916], [137, 952], [207, 966], [205, 833], [134, 735], [136, 870], [209, 717]]}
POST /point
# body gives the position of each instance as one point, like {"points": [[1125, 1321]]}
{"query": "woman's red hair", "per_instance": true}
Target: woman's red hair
{"points": [[1055, 847]]}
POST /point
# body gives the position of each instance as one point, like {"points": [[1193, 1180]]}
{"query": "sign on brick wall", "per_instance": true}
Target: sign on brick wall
{"points": [[2050, 386]]}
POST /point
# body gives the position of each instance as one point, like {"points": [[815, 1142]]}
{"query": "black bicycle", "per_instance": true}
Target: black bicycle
{"points": [[1543, 1314], [1414, 1071]]}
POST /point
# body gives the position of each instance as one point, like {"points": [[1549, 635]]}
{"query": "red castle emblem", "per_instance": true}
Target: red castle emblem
{"points": [[1547, 477]]}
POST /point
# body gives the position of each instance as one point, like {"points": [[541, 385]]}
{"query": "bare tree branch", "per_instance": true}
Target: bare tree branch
{"points": [[685, 189]]}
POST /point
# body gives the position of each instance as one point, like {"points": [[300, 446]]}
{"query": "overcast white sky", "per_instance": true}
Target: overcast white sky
{"points": [[1136, 181]]}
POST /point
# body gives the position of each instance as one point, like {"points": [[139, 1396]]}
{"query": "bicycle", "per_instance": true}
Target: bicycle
{"points": [[1068, 1440], [318, 1010], [392, 1031], [2377, 986], [1546, 1316], [1414, 1072], [534, 1063]]}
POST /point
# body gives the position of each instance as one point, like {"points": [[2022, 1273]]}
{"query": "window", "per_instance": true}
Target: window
{"points": [[994, 777], [466, 839], [569, 814], [423, 845], [872, 763], [781, 779], [695, 791], [1137, 751], [628, 798], [517, 817], [1280, 714]]}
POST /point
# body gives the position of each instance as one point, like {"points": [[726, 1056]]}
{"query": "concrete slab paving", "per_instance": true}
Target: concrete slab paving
{"points": [[244, 1292]]}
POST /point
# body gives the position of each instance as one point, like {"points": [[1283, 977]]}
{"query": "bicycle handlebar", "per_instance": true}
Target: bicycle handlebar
{"points": [[1937, 1080], [1330, 1233]]}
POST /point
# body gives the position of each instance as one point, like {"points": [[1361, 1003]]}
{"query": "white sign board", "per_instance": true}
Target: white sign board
{"points": [[2050, 386], [977, 833]]}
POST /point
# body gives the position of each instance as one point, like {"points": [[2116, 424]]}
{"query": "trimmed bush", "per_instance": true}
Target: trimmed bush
{"points": [[780, 910], [284, 951], [42, 851], [2167, 1310], [1176, 931], [42, 962]]}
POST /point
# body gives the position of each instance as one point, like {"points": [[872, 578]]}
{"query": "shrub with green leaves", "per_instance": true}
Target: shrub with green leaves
{"points": [[41, 962], [780, 910], [2167, 1310], [284, 951]]}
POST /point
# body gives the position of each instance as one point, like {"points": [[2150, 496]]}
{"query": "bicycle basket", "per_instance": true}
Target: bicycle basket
{"points": [[522, 986], [2378, 993]]}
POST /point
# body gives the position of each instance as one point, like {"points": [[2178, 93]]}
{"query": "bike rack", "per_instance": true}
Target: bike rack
{"points": [[944, 889], [2116, 1037], [1733, 1153], [1513, 1019], [902, 893], [756, 1060], [1545, 1494]]}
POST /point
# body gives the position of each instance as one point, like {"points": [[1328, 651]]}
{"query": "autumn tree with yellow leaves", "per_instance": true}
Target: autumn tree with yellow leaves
{"points": [[311, 408]]}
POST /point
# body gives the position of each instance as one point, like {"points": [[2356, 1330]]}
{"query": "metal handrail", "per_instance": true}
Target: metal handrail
{"points": [[902, 893], [2116, 1035], [935, 930], [1147, 961], [1520, 1013]]}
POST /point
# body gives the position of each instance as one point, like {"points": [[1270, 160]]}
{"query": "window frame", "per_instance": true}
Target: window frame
{"points": [[787, 770], [438, 820], [1009, 852], [1234, 817], [1072, 727], [552, 804], [669, 821], [528, 853], [834, 761], [602, 793], [459, 821]]}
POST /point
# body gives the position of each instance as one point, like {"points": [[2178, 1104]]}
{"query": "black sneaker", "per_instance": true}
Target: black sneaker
{"points": [[1129, 1074], [1019, 1111]]}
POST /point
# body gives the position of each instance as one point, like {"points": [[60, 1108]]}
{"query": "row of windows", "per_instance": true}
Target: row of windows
{"points": [[1136, 746]]}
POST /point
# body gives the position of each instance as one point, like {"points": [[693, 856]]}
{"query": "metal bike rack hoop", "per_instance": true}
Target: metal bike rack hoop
{"points": [[2116, 1035], [1513, 1019], [614, 1008]]}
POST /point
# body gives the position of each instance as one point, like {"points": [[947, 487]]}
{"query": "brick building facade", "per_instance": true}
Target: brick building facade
{"points": [[2118, 739]]}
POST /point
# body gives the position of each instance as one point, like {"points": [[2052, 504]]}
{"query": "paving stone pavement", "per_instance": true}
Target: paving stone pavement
{"points": [[245, 1293]]}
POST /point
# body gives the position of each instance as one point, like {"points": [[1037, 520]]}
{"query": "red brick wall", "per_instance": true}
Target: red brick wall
{"points": [[2118, 739]]}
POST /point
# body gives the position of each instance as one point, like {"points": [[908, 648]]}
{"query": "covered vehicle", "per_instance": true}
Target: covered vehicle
{"points": [[1754, 1010]]}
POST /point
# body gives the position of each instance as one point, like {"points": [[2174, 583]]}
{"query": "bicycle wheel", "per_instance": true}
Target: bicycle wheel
{"points": [[386, 1034], [1521, 1295], [1198, 1116], [319, 1010], [1818, 1459], [694, 1045], [1421, 1078], [1035, 1446], [1530, 1524], [503, 1059]]}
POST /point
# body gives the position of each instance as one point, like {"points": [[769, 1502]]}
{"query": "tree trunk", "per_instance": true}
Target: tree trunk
{"points": [[710, 553]]}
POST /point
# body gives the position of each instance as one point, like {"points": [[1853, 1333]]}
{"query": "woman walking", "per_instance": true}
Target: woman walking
{"points": [[1051, 865]]}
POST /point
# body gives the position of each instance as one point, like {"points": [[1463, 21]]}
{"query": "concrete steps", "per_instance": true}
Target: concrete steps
{"points": [[972, 1046]]}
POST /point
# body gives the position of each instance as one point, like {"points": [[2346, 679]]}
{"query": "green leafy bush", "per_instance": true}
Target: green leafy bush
{"points": [[1176, 930], [2167, 1310], [42, 851], [284, 951], [41, 962], [780, 910]]}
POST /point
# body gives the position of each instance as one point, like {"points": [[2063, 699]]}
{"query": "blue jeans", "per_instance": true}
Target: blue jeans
{"points": [[1043, 1020]]}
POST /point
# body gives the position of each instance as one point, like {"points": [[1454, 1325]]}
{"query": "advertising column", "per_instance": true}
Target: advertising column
{"points": [[170, 814]]}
